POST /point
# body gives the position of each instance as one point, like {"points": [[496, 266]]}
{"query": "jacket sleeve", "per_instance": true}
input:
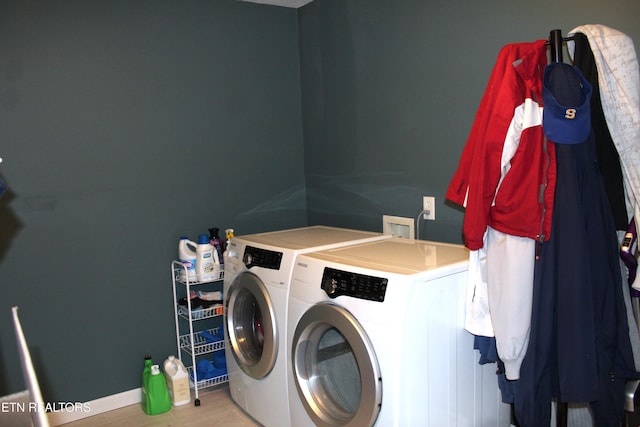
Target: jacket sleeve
{"points": [[474, 183]]}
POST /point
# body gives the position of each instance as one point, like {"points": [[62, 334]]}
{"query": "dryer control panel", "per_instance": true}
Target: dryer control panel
{"points": [[338, 282], [258, 257]]}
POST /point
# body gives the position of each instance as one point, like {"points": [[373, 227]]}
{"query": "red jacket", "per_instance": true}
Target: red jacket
{"points": [[507, 172]]}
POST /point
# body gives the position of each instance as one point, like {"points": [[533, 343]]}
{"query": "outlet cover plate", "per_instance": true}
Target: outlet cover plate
{"points": [[429, 206], [398, 226]]}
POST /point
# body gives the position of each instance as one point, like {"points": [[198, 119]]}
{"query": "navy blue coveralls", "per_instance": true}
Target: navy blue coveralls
{"points": [[579, 349]]}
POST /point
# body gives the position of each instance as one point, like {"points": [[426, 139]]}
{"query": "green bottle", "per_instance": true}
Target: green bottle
{"points": [[148, 362], [155, 394], [146, 373]]}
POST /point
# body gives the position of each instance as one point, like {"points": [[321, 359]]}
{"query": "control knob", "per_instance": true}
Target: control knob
{"points": [[248, 259], [330, 287]]}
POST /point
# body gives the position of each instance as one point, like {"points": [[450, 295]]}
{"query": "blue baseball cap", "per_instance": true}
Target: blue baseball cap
{"points": [[566, 116]]}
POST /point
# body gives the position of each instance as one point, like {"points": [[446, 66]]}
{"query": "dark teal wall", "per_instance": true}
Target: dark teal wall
{"points": [[125, 124], [390, 89]]}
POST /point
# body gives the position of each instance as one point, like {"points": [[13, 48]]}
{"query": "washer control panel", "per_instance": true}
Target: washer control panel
{"points": [[338, 282], [258, 257]]}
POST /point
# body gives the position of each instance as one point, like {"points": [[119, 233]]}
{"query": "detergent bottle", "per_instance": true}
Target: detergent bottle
{"points": [[177, 381], [148, 362], [214, 238], [155, 393], [187, 256], [207, 262], [146, 372]]}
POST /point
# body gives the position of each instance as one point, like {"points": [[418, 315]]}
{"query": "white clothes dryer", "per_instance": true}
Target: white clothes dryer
{"points": [[376, 335], [258, 271]]}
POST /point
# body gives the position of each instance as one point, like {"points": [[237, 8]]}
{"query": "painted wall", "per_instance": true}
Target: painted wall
{"points": [[390, 90], [125, 125]]}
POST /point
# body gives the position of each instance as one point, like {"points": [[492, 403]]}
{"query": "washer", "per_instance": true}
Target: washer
{"points": [[376, 335], [258, 271]]}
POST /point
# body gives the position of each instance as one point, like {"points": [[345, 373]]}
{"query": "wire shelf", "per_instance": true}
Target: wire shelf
{"points": [[204, 313], [197, 343], [180, 277], [208, 382], [201, 345]]}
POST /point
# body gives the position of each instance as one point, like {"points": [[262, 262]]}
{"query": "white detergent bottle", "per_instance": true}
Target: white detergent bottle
{"points": [[207, 262], [177, 381], [187, 256]]}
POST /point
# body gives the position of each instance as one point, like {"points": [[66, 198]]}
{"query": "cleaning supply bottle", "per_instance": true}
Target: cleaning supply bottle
{"points": [[228, 233], [146, 372], [148, 362], [177, 381], [156, 393], [214, 239], [187, 256], [207, 262]]}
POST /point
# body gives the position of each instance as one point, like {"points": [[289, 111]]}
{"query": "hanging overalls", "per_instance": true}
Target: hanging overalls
{"points": [[579, 348]]}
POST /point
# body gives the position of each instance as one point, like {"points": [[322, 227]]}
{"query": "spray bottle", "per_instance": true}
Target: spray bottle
{"points": [[228, 235]]}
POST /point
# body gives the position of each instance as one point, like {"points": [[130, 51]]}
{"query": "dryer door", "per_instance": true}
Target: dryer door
{"points": [[335, 368], [251, 325]]}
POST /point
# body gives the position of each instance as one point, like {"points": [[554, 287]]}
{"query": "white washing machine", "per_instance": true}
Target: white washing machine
{"points": [[376, 335], [258, 271]]}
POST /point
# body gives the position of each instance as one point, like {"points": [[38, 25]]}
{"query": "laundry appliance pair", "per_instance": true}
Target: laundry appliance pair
{"points": [[258, 270], [373, 334]]}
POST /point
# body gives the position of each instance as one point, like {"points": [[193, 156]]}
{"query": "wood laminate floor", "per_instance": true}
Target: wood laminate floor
{"points": [[216, 409]]}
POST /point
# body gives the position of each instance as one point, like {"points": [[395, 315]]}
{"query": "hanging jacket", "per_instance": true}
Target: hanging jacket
{"points": [[619, 85], [506, 175], [609, 165], [506, 181], [606, 152]]}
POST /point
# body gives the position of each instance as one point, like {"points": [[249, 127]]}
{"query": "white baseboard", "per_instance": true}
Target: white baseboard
{"points": [[95, 407], [13, 410]]}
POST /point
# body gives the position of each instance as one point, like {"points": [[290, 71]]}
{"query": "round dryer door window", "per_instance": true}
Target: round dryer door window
{"points": [[251, 325], [335, 368]]}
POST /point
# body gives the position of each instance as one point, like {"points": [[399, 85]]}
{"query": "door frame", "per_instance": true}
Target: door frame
{"points": [[313, 324], [245, 286]]}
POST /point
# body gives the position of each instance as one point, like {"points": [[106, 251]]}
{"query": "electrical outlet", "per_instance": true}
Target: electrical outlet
{"points": [[429, 206]]}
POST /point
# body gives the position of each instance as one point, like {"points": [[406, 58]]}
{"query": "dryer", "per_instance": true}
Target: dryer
{"points": [[258, 271], [376, 335]]}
